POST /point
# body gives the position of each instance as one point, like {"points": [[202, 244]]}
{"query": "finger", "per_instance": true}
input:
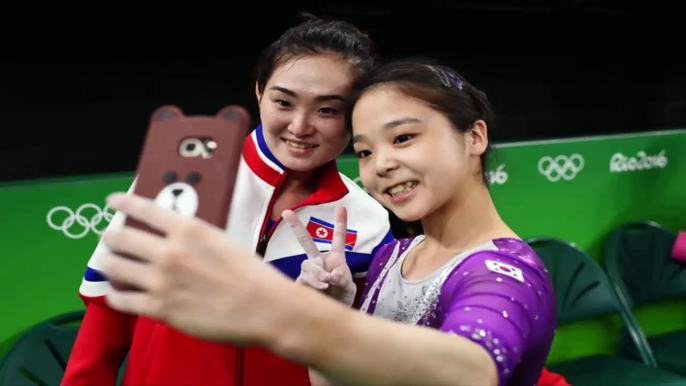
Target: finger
{"points": [[320, 285], [144, 210], [334, 280], [135, 302], [301, 234], [310, 271], [337, 278], [341, 277], [339, 230], [310, 279], [143, 245], [315, 267], [124, 270], [317, 261], [324, 276], [314, 282]]}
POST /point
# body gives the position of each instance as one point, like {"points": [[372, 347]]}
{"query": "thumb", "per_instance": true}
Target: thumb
{"points": [[341, 276]]}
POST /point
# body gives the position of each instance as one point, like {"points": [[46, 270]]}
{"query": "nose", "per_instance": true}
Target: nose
{"points": [[386, 163], [301, 126], [177, 192]]}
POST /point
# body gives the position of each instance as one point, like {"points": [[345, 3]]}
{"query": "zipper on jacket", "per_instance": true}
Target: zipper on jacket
{"points": [[264, 238], [262, 244], [240, 355], [261, 249]]}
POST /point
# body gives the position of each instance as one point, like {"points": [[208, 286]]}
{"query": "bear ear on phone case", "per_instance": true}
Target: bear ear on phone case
{"points": [[189, 163]]}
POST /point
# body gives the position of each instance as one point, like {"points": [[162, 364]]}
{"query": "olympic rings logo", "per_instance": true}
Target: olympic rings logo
{"points": [[561, 167], [88, 224]]}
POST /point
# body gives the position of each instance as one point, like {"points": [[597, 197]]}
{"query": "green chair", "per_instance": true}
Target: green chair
{"points": [[122, 371], [583, 292], [40, 356], [638, 262]]}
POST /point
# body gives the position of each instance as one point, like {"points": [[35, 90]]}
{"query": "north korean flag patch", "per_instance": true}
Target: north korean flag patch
{"points": [[322, 232], [505, 269]]}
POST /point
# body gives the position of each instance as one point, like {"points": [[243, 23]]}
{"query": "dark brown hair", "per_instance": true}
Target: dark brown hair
{"points": [[318, 36], [440, 87]]}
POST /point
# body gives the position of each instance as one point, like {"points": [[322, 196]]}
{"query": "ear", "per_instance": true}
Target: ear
{"points": [[234, 113], [166, 112], [478, 137], [258, 94]]}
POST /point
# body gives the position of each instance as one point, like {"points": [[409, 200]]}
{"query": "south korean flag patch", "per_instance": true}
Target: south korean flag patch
{"points": [[505, 269]]}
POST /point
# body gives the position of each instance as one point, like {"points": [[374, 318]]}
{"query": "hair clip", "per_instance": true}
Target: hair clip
{"points": [[458, 83], [441, 75]]}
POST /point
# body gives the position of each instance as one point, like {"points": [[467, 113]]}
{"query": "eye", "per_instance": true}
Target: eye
{"points": [[193, 178], [363, 153], [328, 110], [282, 103], [169, 177], [403, 138]]}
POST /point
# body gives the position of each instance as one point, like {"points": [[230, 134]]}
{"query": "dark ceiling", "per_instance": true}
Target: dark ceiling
{"points": [[78, 82]]}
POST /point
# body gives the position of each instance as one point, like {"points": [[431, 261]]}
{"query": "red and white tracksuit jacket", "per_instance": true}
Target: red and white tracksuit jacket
{"points": [[162, 355]]}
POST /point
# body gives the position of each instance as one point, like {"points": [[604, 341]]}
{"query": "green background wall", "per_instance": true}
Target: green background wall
{"points": [[575, 189]]}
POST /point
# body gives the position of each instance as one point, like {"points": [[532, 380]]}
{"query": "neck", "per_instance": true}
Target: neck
{"points": [[302, 180], [468, 220]]}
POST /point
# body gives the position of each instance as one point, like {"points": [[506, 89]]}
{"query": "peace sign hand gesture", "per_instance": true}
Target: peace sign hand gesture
{"points": [[327, 271]]}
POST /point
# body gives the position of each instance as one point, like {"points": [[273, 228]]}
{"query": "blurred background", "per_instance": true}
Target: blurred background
{"points": [[86, 76]]}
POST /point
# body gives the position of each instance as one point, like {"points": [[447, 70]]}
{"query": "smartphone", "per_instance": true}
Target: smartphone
{"points": [[188, 164]]}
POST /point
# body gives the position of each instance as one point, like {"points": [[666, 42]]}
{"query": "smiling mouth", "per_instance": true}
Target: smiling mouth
{"points": [[401, 188], [299, 145]]}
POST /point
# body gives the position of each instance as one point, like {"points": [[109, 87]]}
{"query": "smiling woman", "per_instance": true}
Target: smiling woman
{"points": [[303, 111], [471, 300], [304, 81]]}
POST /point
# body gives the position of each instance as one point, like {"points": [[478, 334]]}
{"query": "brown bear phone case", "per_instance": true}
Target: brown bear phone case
{"points": [[189, 164]]}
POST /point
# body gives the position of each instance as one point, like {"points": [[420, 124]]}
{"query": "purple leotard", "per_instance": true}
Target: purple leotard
{"points": [[498, 295]]}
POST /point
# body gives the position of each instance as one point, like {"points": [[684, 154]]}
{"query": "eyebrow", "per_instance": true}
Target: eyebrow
{"points": [[388, 126], [398, 122], [321, 98]]}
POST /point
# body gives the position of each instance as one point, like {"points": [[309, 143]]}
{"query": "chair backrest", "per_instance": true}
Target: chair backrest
{"points": [[40, 356], [639, 264], [583, 290]]}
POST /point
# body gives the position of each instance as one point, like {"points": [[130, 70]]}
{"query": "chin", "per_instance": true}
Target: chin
{"points": [[408, 211], [303, 164], [407, 214]]}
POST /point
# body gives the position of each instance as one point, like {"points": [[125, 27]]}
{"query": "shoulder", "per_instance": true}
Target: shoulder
{"points": [[503, 280], [511, 255], [506, 265], [386, 251]]}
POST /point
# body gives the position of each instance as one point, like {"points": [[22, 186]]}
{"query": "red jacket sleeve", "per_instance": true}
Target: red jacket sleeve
{"points": [[548, 378], [102, 343]]}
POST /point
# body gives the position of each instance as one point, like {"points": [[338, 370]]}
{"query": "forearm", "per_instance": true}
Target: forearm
{"points": [[353, 348], [100, 348]]}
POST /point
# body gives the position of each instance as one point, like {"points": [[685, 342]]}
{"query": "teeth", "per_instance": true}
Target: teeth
{"points": [[298, 145], [402, 188]]}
